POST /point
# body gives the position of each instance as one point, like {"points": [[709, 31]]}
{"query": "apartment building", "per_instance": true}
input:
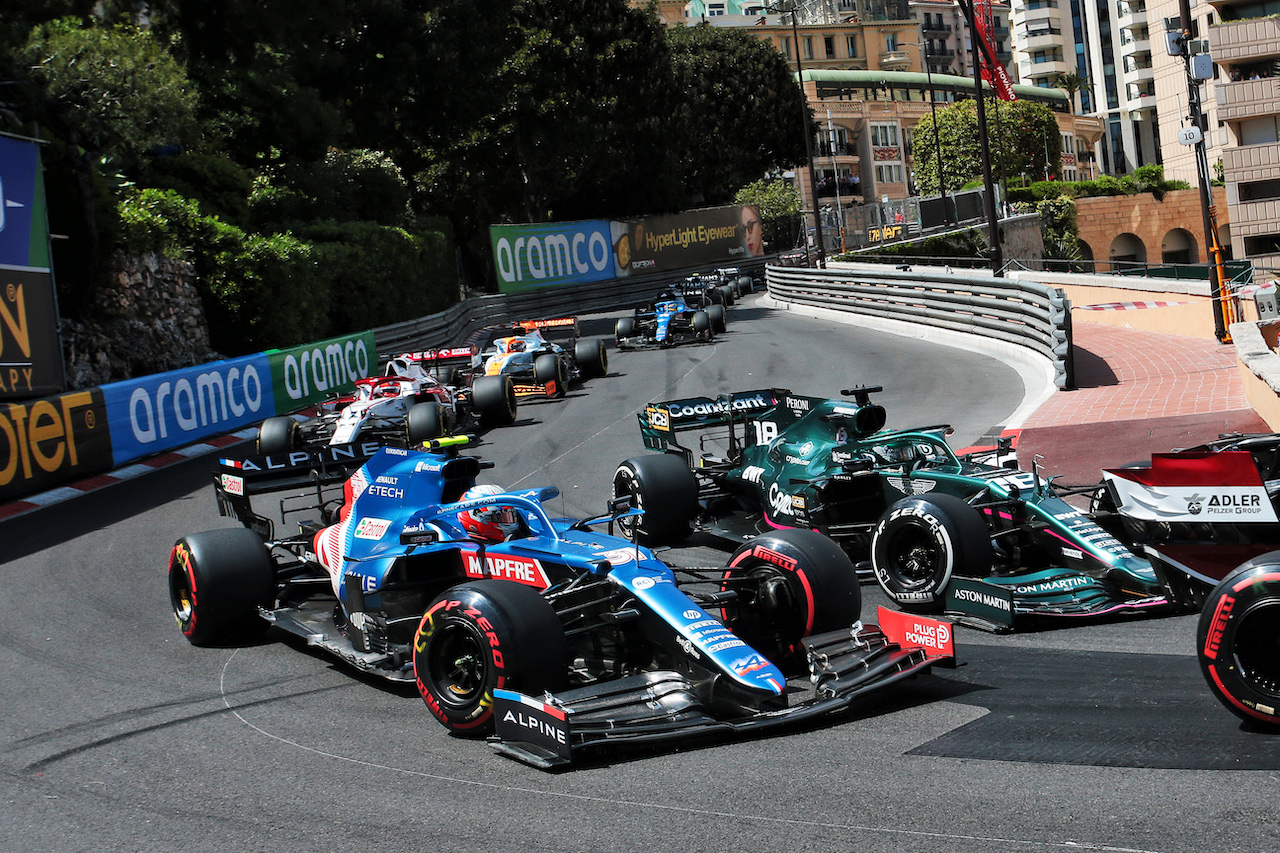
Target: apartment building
{"points": [[1244, 42]]}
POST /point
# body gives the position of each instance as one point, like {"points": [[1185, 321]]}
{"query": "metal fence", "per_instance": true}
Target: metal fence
{"points": [[1023, 313], [455, 325]]}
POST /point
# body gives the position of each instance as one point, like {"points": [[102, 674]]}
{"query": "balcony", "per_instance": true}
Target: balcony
{"points": [[895, 60], [1239, 42], [940, 52], [1038, 38], [1132, 46], [935, 30], [1245, 99], [1250, 163]]}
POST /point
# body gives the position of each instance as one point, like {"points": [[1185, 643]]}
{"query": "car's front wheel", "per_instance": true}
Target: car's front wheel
{"points": [[549, 368], [789, 585], [1238, 641], [478, 637], [592, 357], [278, 435], [494, 399], [920, 543]]}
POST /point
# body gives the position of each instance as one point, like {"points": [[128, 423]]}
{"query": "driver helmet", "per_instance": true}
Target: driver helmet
{"points": [[488, 523]]}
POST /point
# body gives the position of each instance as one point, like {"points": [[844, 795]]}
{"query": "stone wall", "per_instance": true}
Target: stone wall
{"points": [[148, 318], [1101, 218]]}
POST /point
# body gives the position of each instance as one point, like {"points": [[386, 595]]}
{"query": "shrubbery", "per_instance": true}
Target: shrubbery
{"points": [[281, 289]]}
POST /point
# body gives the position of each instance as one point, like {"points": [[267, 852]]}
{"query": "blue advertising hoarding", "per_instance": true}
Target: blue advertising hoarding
{"points": [[172, 409]]}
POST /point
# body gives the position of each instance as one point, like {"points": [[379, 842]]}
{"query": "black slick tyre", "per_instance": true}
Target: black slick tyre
{"points": [[592, 358], [624, 328], [1238, 641], [745, 284], [278, 435], [920, 543], [790, 584], [423, 423], [663, 486], [701, 324], [549, 368], [728, 298], [483, 635], [494, 399], [217, 581], [717, 317]]}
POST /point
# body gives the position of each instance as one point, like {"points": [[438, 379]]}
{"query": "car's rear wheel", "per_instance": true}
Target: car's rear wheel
{"points": [[624, 328], [727, 290], [920, 543], [745, 284], [484, 635], [592, 358], [278, 435], [663, 486], [790, 584], [423, 423], [1238, 641], [217, 581]]}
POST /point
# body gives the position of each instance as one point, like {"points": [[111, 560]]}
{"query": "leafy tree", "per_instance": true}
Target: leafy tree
{"points": [[1070, 82], [103, 92], [1023, 137], [775, 198], [737, 110]]}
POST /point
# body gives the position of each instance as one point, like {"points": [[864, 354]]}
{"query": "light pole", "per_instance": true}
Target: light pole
{"points": [[804, 125], [835, 173], [937, 133]]}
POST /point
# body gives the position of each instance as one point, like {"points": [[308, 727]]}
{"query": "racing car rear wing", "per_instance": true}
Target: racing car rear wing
{"points": [[320, 470], [660, 422]]}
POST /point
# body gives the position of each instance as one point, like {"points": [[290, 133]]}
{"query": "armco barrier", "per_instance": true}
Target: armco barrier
{"points": [[457, 323], [1023, 313]]}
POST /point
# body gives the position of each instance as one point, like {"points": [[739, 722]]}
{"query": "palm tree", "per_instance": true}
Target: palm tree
{"points": [[1070, 82]]}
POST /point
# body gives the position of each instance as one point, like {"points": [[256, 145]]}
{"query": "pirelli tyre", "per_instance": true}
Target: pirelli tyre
{"points": [[921, 542], [548, 368], [727, 290], [1238, 641], [423, 423], [716, 315], [746, 284], [592, 358], [624, 328], [700, 322], [483, 635], [788, 585], [665, 489], [714, 296], [494, 400], [217, 581], [278, 435]]}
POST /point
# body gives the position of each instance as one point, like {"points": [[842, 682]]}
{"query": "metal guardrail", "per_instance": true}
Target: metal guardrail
{"points": [[454, 325], [1023, 313]]}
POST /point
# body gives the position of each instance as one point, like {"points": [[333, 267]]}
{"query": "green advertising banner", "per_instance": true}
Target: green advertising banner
{"points": [[305, 375]]}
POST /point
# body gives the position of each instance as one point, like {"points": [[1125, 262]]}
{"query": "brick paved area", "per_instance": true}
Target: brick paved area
{"points": [[1124, 374], [1137, 393]]}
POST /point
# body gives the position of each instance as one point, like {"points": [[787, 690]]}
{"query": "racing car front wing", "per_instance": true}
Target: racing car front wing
{"points": [[667, 706]]}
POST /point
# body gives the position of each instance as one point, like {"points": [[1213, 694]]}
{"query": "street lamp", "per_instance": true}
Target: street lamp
{"points": [[937, 134], [835, 174], [804, 125]]}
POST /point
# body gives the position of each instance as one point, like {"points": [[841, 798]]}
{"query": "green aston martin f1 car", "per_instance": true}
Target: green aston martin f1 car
{"points": [[994, 547]]}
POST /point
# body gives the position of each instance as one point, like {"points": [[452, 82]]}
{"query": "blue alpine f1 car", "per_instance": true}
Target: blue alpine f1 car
{"points": [[552, 637], [683, 313]]}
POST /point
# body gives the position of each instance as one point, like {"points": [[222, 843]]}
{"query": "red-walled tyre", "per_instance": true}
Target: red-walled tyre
{"points": [[1238, 641], [790, 584]]}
